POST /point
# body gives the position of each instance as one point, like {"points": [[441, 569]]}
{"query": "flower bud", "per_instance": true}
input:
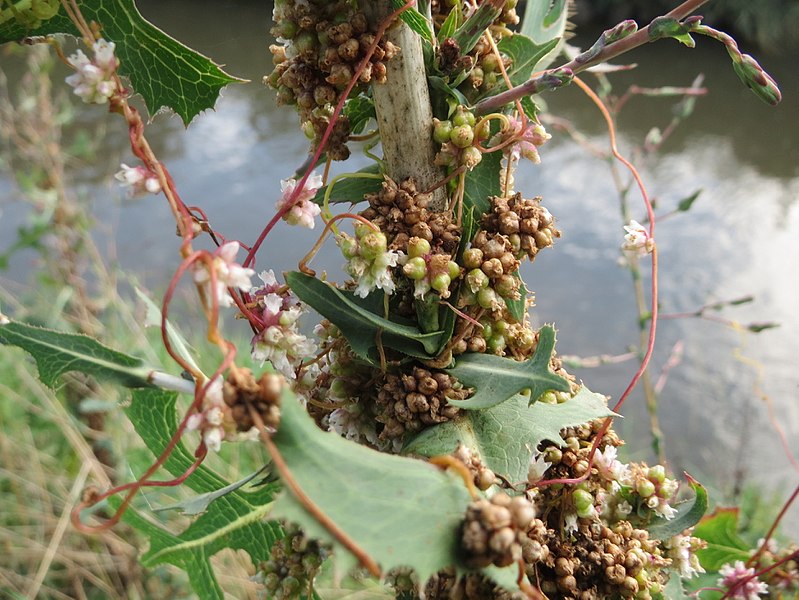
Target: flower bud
{"points": [[657, 474]]}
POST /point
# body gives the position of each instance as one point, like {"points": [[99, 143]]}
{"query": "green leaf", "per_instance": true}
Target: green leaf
{"points": [[688, 514], [359, 321], [482, 182], [359, 110], [415, 20], [161, 69], [496, 379], [526, 55], [444, 97], [674, 590], [234, 520], [351, 189], [450, 24], [402, 512], [196, 505], [686, 203], [724, 545], [475, 26], [543, 22], [529, 107], [518, 308], [57, 353], [193, 560], [504, 437]]}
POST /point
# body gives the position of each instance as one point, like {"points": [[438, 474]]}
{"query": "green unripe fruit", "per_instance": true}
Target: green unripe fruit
{"points": [[496, 344], [462, 136], [657, 473], [548, 398], [582, 499], [373, 245], [501, 326], [418, 247], [442, 131], [524, 341], [490, 80], [471, 157], [349, 246], [487, 298], [463, 117], [477, 280], [308, 130], [490, 63], [305, 42], [441, 283], [506, 286], [472, 258], [290, 585], [339, 388], [286, 29], [488, 330], [453, 270], [553, 454], [415, 268], [645, 488]]}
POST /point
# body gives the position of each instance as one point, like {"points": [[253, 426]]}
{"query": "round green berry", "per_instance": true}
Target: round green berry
{"points": [[462, 136], [463, 117], [442, 131], [441, 283], [415, 268], [418, 247]]}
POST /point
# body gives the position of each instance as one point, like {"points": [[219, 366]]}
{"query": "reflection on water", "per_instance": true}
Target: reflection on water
{"points": [[739, 239]]}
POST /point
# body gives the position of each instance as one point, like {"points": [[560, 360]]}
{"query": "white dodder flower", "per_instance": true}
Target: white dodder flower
{"points": [[210, 418], [682, 553], [369, 261], [139, 180], [228, 273], [731, 575], [93, 79], [637, 239], [280, 341], [303, 209], [538, 466]]}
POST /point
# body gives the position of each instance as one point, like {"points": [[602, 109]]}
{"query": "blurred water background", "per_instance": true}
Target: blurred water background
{"points": [[740, 238]]}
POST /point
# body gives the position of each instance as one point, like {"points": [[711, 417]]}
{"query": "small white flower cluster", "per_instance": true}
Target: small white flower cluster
{"points": [[529, 138], [637, 239], [732, 575], [681, 550], [93, 79], [369, 261], [279, 342], [211, 416], [303, 209], [214, 422], [139, 180], [228, 274]]}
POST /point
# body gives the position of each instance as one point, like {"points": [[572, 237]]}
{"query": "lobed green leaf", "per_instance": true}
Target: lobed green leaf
{"points": [[402, 512], [161, 69], [234, 519], [496, 379], [525, 54], [545, 21], [505, 437], [416, 21]]}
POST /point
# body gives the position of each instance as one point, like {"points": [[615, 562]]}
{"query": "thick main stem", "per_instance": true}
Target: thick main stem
{"points": [[404, 112]]}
